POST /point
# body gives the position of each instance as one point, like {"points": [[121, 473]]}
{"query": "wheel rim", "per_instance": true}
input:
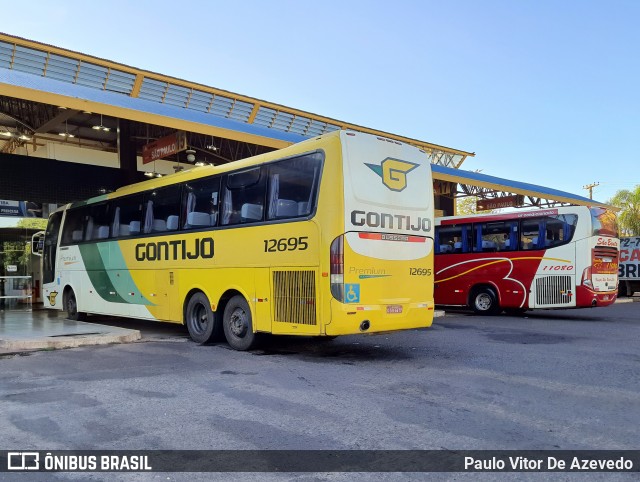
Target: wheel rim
{"points": [[199, 319], [238, 323], [483, 301]]}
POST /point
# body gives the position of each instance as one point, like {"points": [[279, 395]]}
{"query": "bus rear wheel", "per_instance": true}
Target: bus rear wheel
{"points": [[238, 326], [485, 302], [200, 319], [71, 305]]}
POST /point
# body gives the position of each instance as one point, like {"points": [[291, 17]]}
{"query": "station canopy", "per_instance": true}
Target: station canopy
{"points": [[483, 186], [50, 95]]}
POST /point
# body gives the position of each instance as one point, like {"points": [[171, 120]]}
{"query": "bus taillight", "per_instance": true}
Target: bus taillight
{"points": [[586, 277], [337, 268]]}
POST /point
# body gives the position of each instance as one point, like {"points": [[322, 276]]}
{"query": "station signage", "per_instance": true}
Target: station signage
{"points": [[163, 147], [500, 202], [10, 208]]}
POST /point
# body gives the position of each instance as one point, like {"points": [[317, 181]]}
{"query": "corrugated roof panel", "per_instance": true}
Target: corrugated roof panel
{"points": [[200, 100], [62, 68], [6, 52], [29, 60], [316, 128], [241, 111], [282, 121], [119, 81], [221, 106], [152, 89], [120, 87], [300, 125], [92, 75], [177, 95], [131, 104], [265, 116]]}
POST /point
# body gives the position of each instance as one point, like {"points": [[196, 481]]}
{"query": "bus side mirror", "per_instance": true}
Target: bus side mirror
{"points": [[37, 243]]}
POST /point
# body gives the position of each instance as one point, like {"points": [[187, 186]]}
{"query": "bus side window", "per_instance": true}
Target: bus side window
{"points": [[162, 207], [200, 204], [529, 234], [495, 237], [127, 215], [73, 229], [450, 239], [292, 186], [243, 198]]}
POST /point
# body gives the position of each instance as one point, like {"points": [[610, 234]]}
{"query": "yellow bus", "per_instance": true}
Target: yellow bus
{"points": [[331, 236]]}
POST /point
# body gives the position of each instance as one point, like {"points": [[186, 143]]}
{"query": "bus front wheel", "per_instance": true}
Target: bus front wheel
{"points": [[485, 302], [238, 326], [71, 306], [201, 321]]}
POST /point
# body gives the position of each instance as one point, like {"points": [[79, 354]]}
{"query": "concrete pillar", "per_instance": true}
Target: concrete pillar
{"points": [[127, 153]]}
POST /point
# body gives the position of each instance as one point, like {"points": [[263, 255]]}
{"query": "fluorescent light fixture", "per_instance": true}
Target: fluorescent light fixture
{"points": [[66, 131], [101, 127]]}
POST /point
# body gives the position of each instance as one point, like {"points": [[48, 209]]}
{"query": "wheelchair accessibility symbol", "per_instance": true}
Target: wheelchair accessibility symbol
{"points": [[352, 293]]}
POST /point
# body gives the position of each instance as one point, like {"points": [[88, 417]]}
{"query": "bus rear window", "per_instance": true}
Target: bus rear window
{"points": [[604, 222]]}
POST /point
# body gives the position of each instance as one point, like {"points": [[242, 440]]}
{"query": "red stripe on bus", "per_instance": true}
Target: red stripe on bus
{"points": [[405, 238]]}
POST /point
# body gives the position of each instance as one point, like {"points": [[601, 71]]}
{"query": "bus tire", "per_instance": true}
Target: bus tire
{"points": [[238, 326], [71, 305], [200, 319], [485, 302]]}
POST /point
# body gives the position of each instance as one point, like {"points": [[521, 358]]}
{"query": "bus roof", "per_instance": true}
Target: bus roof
{"points": [[519, 214]]}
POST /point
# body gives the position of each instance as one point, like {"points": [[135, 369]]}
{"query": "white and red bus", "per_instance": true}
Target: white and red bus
{"points": [[564, 257]]}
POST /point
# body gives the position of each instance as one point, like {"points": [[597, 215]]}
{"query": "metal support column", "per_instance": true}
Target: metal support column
{"points": [[127, 153]]}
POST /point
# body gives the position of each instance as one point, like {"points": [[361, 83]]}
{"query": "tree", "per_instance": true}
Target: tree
{"points": [[32, 223], [629, 215], [19, 252], [467, 205]]}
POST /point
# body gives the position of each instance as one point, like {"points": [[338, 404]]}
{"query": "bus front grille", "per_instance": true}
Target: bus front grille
{"points": [[295, 297], [553, 290]]}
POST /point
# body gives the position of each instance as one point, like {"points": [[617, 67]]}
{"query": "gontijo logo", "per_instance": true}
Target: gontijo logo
{"points": [[393, 172]]}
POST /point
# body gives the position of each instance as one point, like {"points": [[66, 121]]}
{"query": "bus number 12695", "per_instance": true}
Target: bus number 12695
{"points": [[286, 244]]}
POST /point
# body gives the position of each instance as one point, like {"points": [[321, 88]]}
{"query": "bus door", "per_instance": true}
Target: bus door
{"points": [[49, 257]]}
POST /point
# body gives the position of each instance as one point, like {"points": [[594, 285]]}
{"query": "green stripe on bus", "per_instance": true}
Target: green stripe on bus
{"points": [[107, 283]]}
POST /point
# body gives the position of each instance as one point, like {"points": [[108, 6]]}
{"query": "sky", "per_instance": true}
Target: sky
{"points": [[542, 91]]}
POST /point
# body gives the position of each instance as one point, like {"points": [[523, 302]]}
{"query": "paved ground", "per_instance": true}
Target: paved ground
{"points": [[549, 380]]}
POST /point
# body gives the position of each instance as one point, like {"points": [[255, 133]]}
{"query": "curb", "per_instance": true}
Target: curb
{"points": [[72, 341]]}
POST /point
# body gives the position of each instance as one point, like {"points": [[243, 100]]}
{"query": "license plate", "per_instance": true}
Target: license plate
{"points": [[394, 309], [605, 298]]}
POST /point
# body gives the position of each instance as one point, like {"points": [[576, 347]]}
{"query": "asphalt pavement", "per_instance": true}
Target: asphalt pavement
{"points": [[546, 380]]}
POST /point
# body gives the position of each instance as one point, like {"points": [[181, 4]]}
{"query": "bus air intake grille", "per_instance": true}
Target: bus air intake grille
{"points": [[553, 290], [295, 297]]}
